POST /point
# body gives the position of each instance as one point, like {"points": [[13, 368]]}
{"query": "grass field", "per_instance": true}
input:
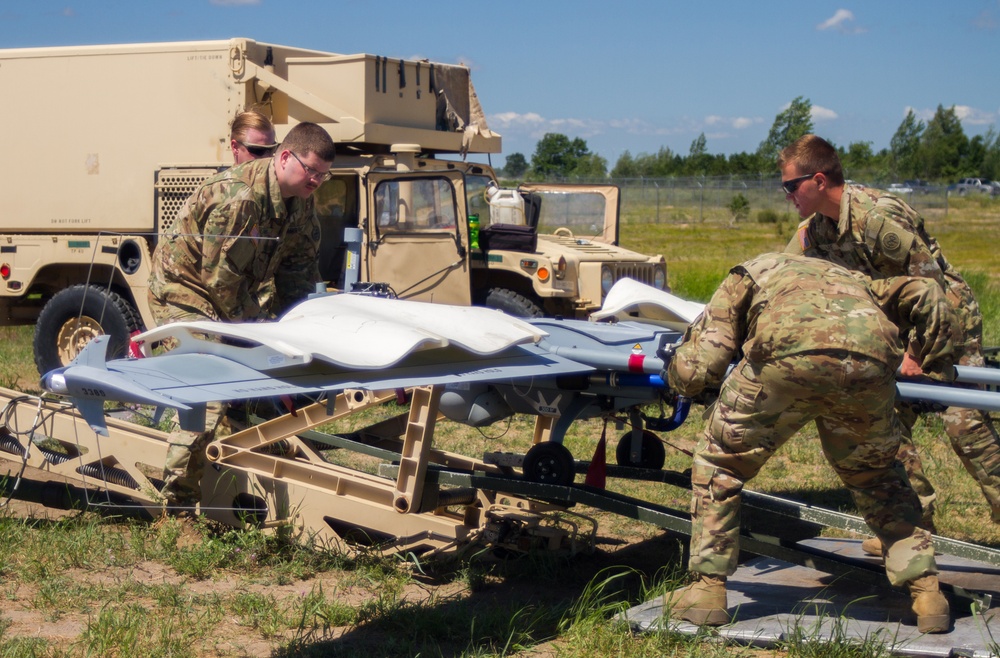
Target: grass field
{"points": [[89, 584]]}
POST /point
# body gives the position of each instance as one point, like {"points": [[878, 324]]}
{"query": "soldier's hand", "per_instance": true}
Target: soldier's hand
{"points": [[910, 367]]}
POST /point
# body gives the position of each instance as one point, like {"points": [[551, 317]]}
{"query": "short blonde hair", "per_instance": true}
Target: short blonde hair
{"points": [[246, 121]]}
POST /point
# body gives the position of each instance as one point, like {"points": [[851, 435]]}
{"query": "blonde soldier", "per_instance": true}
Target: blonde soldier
{"points": [[878, 234], [818, 343], [246, 234], [251, 136]]}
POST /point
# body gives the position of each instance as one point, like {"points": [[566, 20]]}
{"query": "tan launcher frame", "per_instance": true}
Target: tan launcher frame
{"points": [[269, 477]]}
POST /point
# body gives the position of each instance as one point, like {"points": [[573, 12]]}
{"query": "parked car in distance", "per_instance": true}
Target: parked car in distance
{"points": [[920, 186], [899, 189], [980, 185]]}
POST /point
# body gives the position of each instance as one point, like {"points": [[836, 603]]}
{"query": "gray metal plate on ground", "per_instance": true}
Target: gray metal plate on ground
{"points": [[773, 602]]}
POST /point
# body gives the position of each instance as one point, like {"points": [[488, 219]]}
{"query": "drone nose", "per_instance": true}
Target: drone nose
{"points": [[55, 382]]}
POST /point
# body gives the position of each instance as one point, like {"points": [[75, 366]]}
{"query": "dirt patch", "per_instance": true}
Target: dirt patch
{"points": [[501, 583]]}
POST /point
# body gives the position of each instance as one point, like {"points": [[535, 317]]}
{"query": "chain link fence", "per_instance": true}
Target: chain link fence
{"points": [[709, 199]]}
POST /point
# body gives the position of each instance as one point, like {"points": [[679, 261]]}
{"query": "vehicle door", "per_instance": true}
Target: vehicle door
{"points": [[417, 236], [584, 211]]}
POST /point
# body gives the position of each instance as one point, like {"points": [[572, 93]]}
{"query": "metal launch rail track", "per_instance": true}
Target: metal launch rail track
{"points": [[273, 475]]}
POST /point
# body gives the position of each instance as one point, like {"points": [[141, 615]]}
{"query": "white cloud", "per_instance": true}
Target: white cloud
{"points": [[924, 115], [969, 116], [841, 21], [819, 113], [508, 119], [234, 3], [535, 125], [738, 123], [973, 116]]}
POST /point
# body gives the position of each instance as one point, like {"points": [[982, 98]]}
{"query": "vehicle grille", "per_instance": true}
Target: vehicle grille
{"points": [[641, 272]]}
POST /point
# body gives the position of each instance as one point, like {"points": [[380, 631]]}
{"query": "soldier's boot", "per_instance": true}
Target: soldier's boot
{"points": [[929, 605], [703, 602]]}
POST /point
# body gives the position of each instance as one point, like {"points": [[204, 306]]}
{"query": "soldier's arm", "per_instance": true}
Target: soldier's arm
{"points": [[897, 246], [919, 306], [298, 272], [712, 340], [801, 241], [228, 255]]}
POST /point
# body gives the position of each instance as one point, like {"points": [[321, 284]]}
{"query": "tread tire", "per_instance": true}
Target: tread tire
{"points": [[513, 303], [58, 338]]}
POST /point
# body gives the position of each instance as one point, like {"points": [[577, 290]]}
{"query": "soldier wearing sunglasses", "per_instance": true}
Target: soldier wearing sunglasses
{"points": [[251, 136], [879, 234], [243, 248]]}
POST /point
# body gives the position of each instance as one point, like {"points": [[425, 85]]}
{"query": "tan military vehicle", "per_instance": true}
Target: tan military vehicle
{"points": [[110, 141]]}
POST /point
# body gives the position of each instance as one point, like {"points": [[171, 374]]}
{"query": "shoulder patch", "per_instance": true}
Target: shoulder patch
{"points": [[891, 242], [805, 242]]}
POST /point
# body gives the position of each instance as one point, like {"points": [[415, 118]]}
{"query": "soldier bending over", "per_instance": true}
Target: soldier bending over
{"points": [[818, 343]]}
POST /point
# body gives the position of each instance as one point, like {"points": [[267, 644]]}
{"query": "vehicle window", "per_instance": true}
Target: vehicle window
{"points": [[582, 213], [337, 200], [475, 192], [415, 205]]}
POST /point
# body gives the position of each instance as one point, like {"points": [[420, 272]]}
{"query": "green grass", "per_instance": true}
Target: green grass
{"points": [[699, 254], [218, 591], [17, 365]]}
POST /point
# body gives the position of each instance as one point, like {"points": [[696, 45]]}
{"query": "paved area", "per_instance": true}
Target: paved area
{"points": [[774, 602]]}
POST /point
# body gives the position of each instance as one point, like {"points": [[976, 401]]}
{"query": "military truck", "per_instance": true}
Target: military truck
{"points": [[111, 140]]}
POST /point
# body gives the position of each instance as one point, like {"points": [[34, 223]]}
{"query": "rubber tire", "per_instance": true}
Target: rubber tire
{"points": [[512, 303], [549, 463], [653, 454], [119, 320]]}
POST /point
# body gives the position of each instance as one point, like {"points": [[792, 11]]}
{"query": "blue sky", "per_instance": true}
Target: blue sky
{"points": [[624, 75]]}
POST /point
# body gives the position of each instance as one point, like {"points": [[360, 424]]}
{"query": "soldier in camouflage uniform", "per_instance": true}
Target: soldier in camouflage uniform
{"points": [[818, 343], [244, 248], [876, 233]]}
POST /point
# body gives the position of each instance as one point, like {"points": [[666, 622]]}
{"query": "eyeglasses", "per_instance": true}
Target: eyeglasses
{"points": [[258, 150], [315, 174], [789, 186]]}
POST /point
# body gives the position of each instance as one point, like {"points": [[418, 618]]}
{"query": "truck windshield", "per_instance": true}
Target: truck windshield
{"points": [[581, 212]]}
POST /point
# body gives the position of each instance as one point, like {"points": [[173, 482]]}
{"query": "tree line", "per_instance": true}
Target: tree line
{"points": [[938, 150]]}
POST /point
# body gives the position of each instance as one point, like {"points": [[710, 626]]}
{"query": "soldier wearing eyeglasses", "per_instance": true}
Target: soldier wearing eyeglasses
{"points": [[244, 248], [879, 234]]}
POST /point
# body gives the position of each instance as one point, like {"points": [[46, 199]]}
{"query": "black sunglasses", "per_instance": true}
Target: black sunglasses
{"points": [[258, 150], [789, 186]]}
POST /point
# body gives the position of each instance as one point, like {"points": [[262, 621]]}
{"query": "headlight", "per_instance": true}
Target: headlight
{"points": [[660, 278], [607, 280]]}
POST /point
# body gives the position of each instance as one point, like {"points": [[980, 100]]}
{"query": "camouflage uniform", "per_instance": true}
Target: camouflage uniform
{"points": [[881, 236], [817, 344], [239, 252]]}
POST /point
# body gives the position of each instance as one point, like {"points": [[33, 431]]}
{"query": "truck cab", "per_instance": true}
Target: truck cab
{"points": [[413, 212]]}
